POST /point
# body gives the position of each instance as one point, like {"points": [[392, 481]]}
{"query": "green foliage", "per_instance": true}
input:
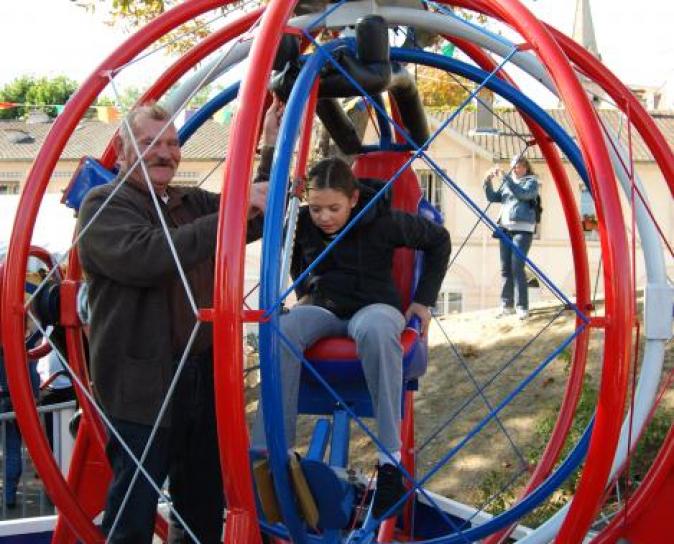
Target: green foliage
{"points": [[496, 480], [491, 486], [40, 93], [133, 14], [649, 445], [202, 96], [141, 8], [565, 357], [440, 90], [128, 97], [105, 101]]}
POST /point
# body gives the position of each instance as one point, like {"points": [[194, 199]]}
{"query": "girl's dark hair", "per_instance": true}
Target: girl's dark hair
{"points": [[332, 173], [525, 162]]}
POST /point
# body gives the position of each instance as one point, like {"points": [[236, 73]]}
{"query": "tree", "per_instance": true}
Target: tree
{"points": [[439, 89], [32, 92], [128, 96], [133, 14], [203, 95]]}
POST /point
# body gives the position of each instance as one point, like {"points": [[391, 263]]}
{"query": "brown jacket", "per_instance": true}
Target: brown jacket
{"points": [[140, 315]]}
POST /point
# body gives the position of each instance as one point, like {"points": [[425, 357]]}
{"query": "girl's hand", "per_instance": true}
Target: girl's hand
{"points": [[272, 121], [422, 312]]}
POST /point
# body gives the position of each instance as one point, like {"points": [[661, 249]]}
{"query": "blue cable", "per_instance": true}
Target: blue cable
{"points": [[534, 111], [489, 108], [572, 152], [449, 13], [484, 80], [484, 398], [325, 15], [464, 197], [499, 407], [483, 387], [420, 151]]}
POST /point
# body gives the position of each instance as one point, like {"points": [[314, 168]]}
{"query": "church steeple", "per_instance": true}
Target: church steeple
{"points": [[583, 33], [583, 28]]}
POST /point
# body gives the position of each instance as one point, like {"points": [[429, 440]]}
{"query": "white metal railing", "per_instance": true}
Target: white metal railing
{"points": [[31, 499]]}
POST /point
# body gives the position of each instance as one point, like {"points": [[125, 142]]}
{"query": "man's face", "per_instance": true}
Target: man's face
{"points": [[162, 158]]}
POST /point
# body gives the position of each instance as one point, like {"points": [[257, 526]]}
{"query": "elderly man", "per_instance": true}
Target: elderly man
{"points": [[141, 322]]}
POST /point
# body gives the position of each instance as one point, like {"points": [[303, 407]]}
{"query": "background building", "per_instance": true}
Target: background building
{"points": [[464, 151], [472, 144]]}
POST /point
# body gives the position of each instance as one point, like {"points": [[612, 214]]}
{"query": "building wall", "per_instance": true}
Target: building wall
{"points": [[55, 223], [207, 173], [15, 173], [191, 172], [474, 274]]}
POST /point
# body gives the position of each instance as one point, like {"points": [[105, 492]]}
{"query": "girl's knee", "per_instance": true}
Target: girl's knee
{"points": [[381, 317], [378, 332]]}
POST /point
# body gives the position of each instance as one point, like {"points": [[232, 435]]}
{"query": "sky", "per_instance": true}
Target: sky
{"points": [[56, 37], [52, 37]]}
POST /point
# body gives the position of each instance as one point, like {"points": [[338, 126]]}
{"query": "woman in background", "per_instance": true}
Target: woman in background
{"points": [[517, 195]]}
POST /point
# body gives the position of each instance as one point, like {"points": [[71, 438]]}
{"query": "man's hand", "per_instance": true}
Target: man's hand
{"points": [[422, 312], [272, 121], [258, 199]]}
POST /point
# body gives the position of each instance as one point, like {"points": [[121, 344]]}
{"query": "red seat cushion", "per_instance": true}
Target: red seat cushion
{"points": [[343, 348]]}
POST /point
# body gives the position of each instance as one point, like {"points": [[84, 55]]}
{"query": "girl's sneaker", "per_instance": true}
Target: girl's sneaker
{"points": [[390, 489]]}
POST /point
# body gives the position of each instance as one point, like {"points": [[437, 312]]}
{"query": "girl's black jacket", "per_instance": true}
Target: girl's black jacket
{"points": [[358, 271]]}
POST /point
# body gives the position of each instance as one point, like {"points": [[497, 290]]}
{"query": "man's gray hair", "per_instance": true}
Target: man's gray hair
{"points": [[151, 110]]}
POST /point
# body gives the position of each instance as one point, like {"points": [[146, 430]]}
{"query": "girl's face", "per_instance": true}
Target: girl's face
{"points": [[520, 169], [330, 209]]}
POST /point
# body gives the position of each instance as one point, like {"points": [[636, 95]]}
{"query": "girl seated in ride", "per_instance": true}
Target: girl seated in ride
{"points": [[351, 293]]}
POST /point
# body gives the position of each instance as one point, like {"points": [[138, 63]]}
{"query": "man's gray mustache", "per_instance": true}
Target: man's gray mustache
{"points": [[162, 163]]}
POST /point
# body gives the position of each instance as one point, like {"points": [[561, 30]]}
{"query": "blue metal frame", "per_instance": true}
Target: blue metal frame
{"points": [[339, 446], [204, 113], [272, 243], [272, 377], [269, 346], [319, 440]]}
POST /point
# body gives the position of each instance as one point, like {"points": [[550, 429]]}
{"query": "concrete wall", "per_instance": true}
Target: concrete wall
{"points": [[475, 272], [17, 172]]}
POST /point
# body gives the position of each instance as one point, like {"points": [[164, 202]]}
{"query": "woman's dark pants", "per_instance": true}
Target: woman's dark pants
{"points": [[514, 280]]}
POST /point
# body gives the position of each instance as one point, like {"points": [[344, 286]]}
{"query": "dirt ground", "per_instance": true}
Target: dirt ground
{"points": [[498, 354]]}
